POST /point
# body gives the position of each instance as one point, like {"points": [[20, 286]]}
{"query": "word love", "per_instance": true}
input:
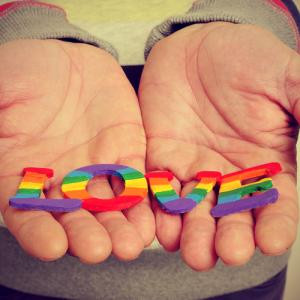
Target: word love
{"points": [[236, 190]]}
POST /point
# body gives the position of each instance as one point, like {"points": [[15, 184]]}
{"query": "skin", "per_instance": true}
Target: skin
{"points": [[213, 97], [64, 106], [223, 97]]}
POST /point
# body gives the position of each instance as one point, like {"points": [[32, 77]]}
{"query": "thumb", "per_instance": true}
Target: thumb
{"points": [[37, 232]]}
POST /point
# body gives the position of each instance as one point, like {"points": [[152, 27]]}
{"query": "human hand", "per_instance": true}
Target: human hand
{"points": [[64, 106], [223, 97]]}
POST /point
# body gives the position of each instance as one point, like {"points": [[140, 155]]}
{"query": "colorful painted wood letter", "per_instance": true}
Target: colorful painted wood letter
{"points": [[75, 186], [29, 192], [232, 190], [168, 199], [235, 194]]}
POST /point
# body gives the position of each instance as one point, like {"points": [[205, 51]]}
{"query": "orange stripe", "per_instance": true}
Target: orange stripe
{"points": [[34, 179], [134, 192], [83, 194], [158, 181], [244, 175], [207, 180]]}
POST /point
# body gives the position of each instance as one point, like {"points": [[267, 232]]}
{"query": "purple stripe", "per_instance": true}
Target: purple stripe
{"points": [[102, 169], [178, 206], [55, 205], [265, 198]]}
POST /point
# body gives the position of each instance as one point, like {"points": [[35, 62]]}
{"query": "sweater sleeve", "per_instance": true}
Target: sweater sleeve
{"points": [[279, 17], [36, 20]]}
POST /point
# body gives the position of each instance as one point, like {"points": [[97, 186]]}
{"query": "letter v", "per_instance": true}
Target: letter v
{"points": [[168, 199]]}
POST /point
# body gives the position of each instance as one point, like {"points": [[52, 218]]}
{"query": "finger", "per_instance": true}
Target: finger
{"points": [[88, 240], [199, 227], [174, 156], [235, 243], [276, 224], [140, 215], [38, 233], [198, 234], [126, 241], [168, 226], [185, 160], [234, 236], [234, 240]]}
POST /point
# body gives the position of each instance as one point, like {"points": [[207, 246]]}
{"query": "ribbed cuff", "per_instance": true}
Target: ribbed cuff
{"points": [[36, 20], [267, 14]]}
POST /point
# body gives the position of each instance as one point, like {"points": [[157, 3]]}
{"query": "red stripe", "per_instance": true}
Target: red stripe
{"points": [[280, 4], [11, 6], [6, 6], [283, 8]]}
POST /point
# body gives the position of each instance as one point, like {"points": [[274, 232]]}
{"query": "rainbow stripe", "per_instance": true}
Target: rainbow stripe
{"points": [[75, 186], [30, 189], [232, 189], [33, 182], [169, 200]]}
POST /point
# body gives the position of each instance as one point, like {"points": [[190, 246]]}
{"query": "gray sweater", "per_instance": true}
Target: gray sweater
{"points": [[155, 274]]}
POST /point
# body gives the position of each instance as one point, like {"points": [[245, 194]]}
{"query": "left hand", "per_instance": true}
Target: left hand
{"points": [[223, 97], [63, 106]]}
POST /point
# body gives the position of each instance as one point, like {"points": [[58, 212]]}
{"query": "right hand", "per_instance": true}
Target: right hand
{"points": [[223, 97], [64, 106]]}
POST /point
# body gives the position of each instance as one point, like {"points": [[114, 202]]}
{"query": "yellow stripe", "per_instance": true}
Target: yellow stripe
{"points": [[30, 185], [161, 188], [136, 183], [204, 186], [234, 185], [74, 186]]}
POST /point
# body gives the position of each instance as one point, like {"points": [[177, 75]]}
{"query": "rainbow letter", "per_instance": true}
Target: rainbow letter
{"points": [[29, 192], [75, 184], [167, 197], [232, 190]]}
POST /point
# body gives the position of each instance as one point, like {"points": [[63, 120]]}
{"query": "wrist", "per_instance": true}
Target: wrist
{"points": [[274, 17], [36, 20]]}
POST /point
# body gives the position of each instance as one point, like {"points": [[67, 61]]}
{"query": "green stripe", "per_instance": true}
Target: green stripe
{"points": [[166, 193], [167, 198], [246, 190], [75, 179], [28, 191], [133, 175]]}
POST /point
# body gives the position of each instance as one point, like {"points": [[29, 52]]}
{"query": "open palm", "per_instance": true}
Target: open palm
{"points": [[64, 106], [223, 97]]}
